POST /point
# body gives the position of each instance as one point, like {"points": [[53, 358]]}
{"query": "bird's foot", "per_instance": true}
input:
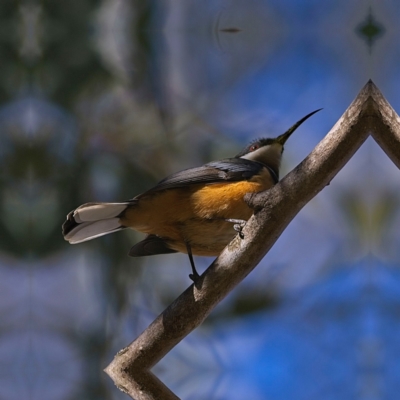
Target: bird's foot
{"points": [[194, 277], [238, 226]]}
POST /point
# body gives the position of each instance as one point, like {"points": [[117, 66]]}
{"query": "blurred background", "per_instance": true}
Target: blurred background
{"points": [[99, 100]]}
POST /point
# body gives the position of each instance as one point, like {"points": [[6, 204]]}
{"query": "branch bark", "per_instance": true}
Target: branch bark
{"points": [[274, 209], [385, 128]]}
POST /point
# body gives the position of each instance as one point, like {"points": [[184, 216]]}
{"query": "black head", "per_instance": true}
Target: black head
{"points": [[281, 139], [255, 145], [269, 150]]}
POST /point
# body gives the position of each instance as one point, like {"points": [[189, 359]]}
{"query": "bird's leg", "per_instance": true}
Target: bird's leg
{"points": [[239, 225], [194, 276]]}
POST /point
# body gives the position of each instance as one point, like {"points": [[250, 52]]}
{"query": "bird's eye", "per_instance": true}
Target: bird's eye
{"points": [[254, 146]]}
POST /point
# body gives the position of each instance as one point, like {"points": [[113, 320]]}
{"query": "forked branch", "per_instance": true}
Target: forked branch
{"points": [[385, 129], [274, 209]]}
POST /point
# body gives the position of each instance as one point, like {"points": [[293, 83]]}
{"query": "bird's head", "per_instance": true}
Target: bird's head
{"points": [[269, 151]]}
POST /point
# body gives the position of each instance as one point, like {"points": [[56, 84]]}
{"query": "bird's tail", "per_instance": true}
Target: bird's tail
{"points": [[92, 220]]}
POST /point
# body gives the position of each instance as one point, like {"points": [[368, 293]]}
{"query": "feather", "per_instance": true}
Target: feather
{"points": [[92, 220], [90, 230], [96, 211], [228, 170], [150, 246]]}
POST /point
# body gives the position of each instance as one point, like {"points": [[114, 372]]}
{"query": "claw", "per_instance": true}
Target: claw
{"points": [[238, 226], [194, 277]]}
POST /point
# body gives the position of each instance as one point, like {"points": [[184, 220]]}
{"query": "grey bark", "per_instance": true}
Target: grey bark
{"points": [[273, 211], [385, 127]]}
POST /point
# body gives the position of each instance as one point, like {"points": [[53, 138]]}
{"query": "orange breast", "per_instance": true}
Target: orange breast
{"points": [[195, 214], [223, 200]]}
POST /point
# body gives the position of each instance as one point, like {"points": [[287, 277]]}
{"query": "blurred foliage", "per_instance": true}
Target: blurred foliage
{"points": [[68, 62], [370, 29], [11, 65], [100, 99]]}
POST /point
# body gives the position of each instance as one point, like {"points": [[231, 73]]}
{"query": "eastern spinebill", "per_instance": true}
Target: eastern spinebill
{"points": [[196, 211]]}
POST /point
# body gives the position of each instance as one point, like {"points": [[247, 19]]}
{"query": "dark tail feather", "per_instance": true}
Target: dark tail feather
{"points": [[150, 246]]}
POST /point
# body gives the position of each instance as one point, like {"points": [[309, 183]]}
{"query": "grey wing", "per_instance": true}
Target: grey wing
{"points": [[228, 170], [150, 246]]}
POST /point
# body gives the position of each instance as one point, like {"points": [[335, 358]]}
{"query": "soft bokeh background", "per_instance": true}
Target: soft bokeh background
{"points": [[100, 99]]}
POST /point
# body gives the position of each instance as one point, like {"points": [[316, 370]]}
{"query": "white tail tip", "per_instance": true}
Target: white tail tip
{"points": [[92, 220]]}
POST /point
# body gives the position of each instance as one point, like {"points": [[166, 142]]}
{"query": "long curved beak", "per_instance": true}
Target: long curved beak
{"points": [[285, 136]]}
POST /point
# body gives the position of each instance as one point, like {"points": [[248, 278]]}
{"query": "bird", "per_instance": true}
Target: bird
{"points": [[196, 211]]}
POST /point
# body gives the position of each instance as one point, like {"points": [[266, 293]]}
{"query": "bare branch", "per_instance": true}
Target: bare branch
{"points": [[386, 129], [141, 385], [274, 209]]}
